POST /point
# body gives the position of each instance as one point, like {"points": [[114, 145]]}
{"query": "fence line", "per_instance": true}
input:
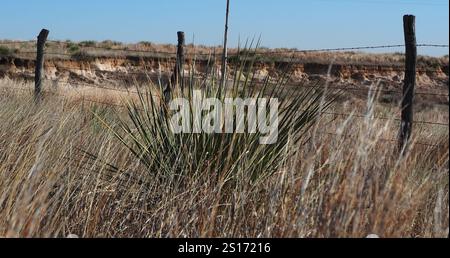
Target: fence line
{"points": [[83, 99], [27, 52], [17, 42], [371, 90], [386, 140], [376, 68], [219, 54], [410, 69], [145, 73], [433, 45], [354, 48], [30, 90], [356, 115], [381, 118], [96, 101], [105, 71], [99, 87], [330, 87], [75, 53]]}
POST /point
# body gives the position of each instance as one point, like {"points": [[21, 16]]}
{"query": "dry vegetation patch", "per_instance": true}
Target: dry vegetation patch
{"points": [[346, 184]]}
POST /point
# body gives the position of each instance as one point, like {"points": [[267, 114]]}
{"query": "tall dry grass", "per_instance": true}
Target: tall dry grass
{"points": [[348, 184]]}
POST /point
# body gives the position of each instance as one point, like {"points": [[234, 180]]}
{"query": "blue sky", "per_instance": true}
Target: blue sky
{"points": [[280, 23]]}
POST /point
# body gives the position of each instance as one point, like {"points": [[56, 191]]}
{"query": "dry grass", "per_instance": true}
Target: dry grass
{"points": [[88, 49], [345, 185]]}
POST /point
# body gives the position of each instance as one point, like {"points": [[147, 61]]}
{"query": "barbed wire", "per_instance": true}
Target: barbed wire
{"points": [[16, 42], [372, 68], [109, 48], [347, 115], [242, 53], [400, 69], [155, 52], [90, 69], [386, 140], [148, 75], [329, 113], [433, 45], [335, 49], [271, 52], [109, 104], [381, 118], [94, 101], [62, 95], [97, 86], [59, 54], [325, 112], [376, 68], [25, 52], [152, 75], [369, 90]]}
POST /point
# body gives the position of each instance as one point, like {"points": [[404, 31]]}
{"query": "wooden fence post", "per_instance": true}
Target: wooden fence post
{"points": [[177, 76], [42, 38], [223, 81], [410, 80], [178, 72]]}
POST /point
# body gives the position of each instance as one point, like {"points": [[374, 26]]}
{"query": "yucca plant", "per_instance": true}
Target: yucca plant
{"points": [[148, 134]]}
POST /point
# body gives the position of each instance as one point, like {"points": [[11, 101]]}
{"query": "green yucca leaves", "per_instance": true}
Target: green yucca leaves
{"points": [[148, 136]]}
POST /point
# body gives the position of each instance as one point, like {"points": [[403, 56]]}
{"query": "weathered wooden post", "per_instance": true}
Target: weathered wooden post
{"points": [[225, 49], [179, 70], [177, 76], [410, 80], [42, 38]]}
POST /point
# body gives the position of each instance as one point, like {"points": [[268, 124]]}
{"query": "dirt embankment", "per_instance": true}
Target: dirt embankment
{"points": [[127, 71]]}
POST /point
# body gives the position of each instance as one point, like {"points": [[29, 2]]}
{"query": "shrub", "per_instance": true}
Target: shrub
{"points": [[109, 44], [73, 47], [88, 43], [150, 139], [81, 55], [146, 43], [5, 51]]}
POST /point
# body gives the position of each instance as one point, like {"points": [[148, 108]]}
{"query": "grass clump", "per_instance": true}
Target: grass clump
{"points": [[146, 44], [109, 44], [73, 47], [81, 55], [5, 51], [147, 131], [88, 43]]}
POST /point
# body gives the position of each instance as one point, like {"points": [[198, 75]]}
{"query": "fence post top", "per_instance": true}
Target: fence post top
{"points": [[43, 34], [180, 35], [409, 28], [408, 17]]}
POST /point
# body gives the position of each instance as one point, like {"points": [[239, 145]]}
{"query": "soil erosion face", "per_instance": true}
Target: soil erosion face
{"points": [[128, 71]]}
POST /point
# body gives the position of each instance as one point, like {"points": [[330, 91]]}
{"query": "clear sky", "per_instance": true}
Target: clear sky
{"points": [[302, 24]]}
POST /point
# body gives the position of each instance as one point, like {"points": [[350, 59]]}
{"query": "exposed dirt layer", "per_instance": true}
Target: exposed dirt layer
{"points": [[121, 72]]}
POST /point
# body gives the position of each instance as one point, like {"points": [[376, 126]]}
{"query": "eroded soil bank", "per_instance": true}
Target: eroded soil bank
{"points": [[122, 72]]}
